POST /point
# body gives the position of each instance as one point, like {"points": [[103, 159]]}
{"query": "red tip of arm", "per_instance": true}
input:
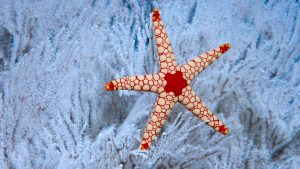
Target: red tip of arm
{"points": [[156, 15], [223, 130], [225, 47], [145, 146], [109, 86]]}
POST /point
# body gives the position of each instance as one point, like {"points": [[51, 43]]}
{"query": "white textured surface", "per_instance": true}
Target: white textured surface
{"points": [[55, 57]]}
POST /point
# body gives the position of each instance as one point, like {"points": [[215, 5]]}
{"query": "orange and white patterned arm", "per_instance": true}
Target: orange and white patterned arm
{"points": [[163, 106], [199, 63], [193, 103], [152, 83], [167, 59]]}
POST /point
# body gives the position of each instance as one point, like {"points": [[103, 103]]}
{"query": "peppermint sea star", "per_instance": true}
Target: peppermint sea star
{"points": [[172, 84]]}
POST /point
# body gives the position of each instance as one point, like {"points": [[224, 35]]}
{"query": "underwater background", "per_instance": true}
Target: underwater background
{"points": [[55, 57]]}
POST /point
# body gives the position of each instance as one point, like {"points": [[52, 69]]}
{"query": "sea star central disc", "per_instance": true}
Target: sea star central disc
{"points": [[175, 83]]}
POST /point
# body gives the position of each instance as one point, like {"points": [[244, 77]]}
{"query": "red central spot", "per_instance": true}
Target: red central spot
{"points": [[175, 83]]}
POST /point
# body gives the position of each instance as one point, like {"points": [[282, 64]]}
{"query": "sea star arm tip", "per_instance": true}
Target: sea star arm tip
{"points": [[225, 47], [148, 83], [223, 129], [163, 106], [165, 52], [193, 103], [202, 61], [155, 15], [109, 86]]}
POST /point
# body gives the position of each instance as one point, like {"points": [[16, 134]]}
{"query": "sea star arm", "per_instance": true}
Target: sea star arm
{"points": [[167, 59], [152, 83], [193, 103], [199, 63], [163, 106]]}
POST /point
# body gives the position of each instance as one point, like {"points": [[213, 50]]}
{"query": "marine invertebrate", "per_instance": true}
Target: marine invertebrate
{"points": [[172, 84]]}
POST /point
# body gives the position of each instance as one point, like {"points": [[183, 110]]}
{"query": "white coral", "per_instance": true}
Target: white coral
{"points": [[55, 57]]}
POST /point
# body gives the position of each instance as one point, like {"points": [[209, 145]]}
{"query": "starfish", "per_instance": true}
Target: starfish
{"points": [[172, 84]]}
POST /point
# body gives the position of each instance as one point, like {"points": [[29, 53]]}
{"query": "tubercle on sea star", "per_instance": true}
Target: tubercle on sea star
{"points": [[172, 83]]}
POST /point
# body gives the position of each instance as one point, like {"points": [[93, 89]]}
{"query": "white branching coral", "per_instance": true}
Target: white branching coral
{"points": [[55, 57]]}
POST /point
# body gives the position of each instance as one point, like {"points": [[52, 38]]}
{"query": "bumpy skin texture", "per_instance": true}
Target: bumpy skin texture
{"points": [[172, 83]]}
